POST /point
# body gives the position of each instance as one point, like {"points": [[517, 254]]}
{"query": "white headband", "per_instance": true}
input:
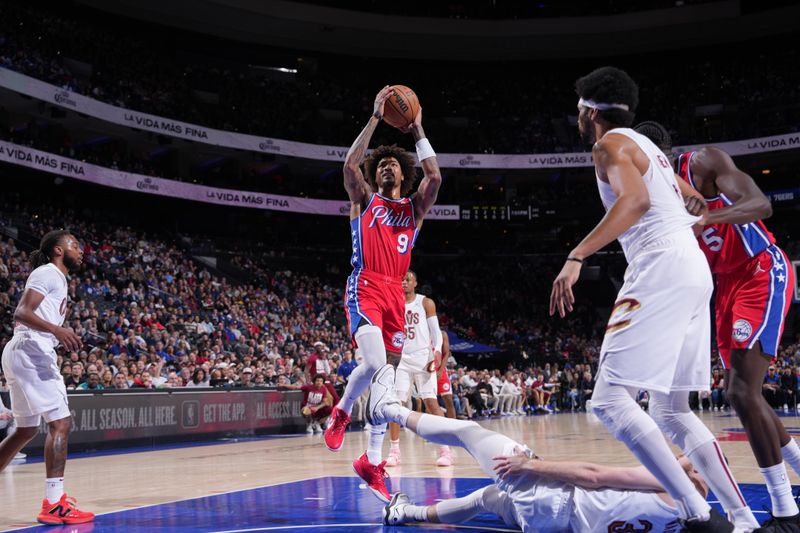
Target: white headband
{"points": [[601, 106]]}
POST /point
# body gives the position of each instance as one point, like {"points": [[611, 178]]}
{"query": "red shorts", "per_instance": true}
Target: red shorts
{"points": [[752, 303], [443, 383], [377, 300]]}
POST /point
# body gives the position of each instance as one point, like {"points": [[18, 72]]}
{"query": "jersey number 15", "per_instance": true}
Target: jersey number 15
{"points": [[714, 242]]}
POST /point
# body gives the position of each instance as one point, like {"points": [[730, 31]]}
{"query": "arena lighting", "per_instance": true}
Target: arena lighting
{"points": [[275, 69], [765, 171]]}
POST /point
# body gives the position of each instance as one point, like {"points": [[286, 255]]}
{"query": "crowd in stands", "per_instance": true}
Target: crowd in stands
{"points": [[499, 111], [150, 317]]}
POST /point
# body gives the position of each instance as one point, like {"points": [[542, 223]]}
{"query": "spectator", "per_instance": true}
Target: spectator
{"points": [[198, 379], [92, 383], [771, 389]]}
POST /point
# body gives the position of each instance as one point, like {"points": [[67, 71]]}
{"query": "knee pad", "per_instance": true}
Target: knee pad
{"points": [[621, 415], [678, 423]]}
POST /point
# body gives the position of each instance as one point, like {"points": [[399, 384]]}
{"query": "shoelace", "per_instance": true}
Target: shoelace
{"points": [[340, 421], [380, 467]]}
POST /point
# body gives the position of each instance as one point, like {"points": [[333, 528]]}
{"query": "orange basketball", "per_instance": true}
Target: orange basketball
{"points": [[401, 108]]}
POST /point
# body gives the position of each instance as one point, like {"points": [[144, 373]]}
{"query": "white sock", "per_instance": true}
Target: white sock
{"points": [[397, 413], [415, 513], [376, 434], [653, 452], [395, 445], [791, 455], [54, 489], [780, 490], [709, 461], [460, 510], [444, 449], [358, 377]]}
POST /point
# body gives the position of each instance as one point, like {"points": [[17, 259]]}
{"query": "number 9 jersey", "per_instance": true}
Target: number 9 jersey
{"points": [[382, 239]]}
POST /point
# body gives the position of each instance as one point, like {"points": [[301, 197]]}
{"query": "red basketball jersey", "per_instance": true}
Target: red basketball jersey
{"points": [[383, 236], [727, 246]]}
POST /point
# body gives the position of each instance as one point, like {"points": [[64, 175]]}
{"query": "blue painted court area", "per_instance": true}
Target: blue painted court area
{"points": [[326, 504]]}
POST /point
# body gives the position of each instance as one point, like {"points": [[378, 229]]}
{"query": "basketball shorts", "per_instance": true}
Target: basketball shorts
{"points": [[443, 382], [752, 303], [377, 300], [659, 333], [36, 387], [412, 372]]}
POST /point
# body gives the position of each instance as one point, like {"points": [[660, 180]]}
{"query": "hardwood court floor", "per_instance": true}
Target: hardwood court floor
{"points": [[108, 483]]}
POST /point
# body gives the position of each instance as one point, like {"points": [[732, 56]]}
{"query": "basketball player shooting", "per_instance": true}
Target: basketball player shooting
{"points": [[658, 334], [383, 227], [30, 363]]}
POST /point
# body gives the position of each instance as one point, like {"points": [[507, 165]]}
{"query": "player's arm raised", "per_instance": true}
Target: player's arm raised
{"points": [[24, 314], [436, 332], [428, 188], [614, 157], [749, 203], [354, 183]]}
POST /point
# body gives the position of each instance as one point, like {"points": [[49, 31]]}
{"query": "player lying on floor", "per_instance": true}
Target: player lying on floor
{"points": [[535, 495]]}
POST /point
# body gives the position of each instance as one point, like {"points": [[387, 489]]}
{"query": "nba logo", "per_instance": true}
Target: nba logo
{"points": [[190, 414]]}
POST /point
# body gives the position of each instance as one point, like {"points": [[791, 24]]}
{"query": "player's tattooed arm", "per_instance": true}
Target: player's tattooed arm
{"points": [[354, 183]]}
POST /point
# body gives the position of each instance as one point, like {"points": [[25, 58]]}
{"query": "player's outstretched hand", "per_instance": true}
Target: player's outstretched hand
{"points": [[416, 124], [380, 101], [68, 339], [561, 298]]}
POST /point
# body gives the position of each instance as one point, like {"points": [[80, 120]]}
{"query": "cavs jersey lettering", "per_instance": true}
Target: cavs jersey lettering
{"points": [[418, 335], [726, 246], [383, 236]]}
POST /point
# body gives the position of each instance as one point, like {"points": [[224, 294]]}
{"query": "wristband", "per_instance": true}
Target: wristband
{"points": [[377, 114], [575, 259], [424, 149]]}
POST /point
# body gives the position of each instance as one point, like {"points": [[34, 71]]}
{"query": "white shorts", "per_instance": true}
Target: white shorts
{"points": [[659, 334], [36, 387], [407, 375]]}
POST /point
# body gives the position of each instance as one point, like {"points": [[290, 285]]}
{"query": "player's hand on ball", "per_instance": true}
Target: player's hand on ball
{"points": [[561, 298], [68, 339], [380, 101], [416, 124]]}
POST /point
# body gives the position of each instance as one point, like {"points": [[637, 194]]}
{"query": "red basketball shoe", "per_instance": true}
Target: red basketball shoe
{"points": [[334, 433], [63, 512], [374, 476]]}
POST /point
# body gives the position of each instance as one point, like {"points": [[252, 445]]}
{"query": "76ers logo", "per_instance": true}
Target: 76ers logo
{"points": [[742, 330], [626, 527], [398, 339]]}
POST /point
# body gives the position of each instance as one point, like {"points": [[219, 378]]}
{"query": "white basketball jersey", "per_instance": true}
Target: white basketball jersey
{"points": [[49, 281], [667, 214], [610, 511], [418, 336]]}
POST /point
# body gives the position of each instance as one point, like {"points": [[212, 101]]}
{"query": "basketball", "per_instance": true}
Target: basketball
{"points": [[402, 107]]}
